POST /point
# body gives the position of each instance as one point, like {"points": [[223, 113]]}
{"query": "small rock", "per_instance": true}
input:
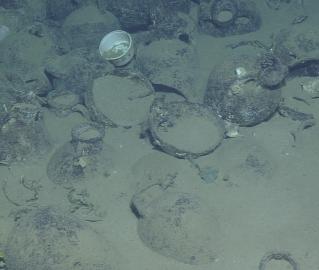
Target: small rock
{"points": [[208, 174]]}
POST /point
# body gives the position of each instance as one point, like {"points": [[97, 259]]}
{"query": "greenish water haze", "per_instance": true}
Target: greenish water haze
{"points": [[261, 185]]}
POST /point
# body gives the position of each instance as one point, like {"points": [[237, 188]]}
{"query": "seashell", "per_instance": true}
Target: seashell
{"points": [[87, 132]]}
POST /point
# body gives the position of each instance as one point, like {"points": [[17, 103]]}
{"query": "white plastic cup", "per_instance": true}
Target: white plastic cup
{"points": [[117, 48]]}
